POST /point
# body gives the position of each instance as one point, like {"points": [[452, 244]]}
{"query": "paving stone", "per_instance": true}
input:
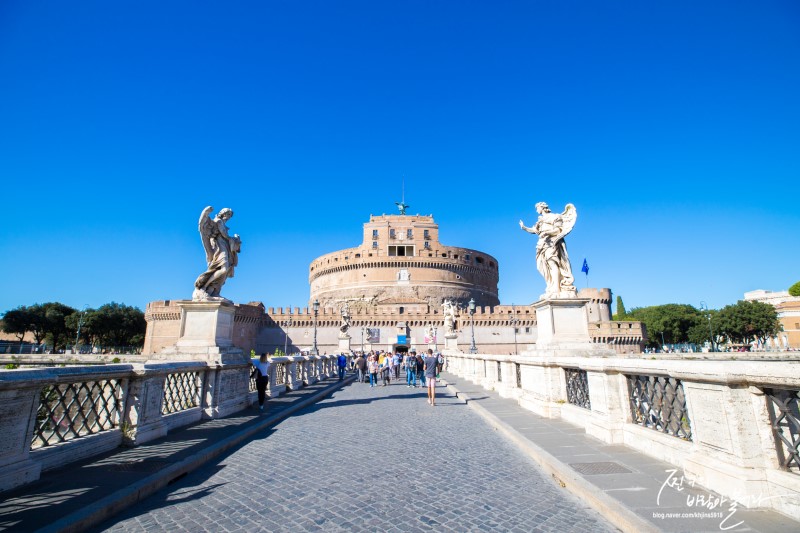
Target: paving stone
{"points": [[369, 459]]}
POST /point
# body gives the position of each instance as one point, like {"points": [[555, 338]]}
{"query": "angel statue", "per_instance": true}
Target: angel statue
{"points": [[345, 327], [449, 312], [221, 254], [552, 260]]}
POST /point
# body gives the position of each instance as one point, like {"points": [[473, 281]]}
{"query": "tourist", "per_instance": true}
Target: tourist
{"points": [[261, 366], [439, 364], [396, 365], [386, 370], [373, 370], [420, 370], [430, 374], [341, 362], [361, 368], [410, 362]]}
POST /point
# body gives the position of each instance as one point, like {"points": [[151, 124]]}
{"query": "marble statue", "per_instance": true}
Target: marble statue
{"points": [[345, 327], [222, 253], [552, 260], [430, 334], [449, 312]]}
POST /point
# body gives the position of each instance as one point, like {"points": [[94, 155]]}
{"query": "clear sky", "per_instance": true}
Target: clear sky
{"points": [[674, 128]]}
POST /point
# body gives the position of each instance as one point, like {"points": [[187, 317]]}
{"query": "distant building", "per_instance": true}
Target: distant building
{"points": [[788, 308], [393, 285]]}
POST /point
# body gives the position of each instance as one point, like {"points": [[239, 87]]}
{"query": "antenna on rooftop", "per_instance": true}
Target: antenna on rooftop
{"points": [[401, 205]]}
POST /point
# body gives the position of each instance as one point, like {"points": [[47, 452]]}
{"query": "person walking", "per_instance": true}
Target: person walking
{"points": [[386, 370], [430, 375], [396, 365], [373, 371], [420, 370], [361, 368], [410, 362], [341, 362], [261, 366]]}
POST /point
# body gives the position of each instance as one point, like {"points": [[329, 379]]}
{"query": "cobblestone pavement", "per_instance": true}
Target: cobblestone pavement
{"points": [[368, 459]]}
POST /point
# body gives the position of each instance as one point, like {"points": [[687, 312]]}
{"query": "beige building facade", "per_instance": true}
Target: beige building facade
{"points": [[788, 308]]}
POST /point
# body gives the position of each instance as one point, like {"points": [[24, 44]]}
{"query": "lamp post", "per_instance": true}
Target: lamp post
{"points": [[286, 324], [362, 338], [704, 307], [80, 323], [514, 322], [316, 310], [471, 307]]}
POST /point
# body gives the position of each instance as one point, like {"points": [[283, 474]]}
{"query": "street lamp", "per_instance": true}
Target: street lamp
{"points": [[286, 324], [663, 344], [704, 307], [80, 323], [471, 307], [316, 310], [514, 321]]}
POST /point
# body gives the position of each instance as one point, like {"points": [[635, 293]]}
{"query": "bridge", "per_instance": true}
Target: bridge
{"points": [[513, 444]]}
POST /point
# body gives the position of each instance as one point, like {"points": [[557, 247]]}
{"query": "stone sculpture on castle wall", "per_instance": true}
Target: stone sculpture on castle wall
{"points": [[345, 326], [222, 254], [552, 260], [449, 312]]}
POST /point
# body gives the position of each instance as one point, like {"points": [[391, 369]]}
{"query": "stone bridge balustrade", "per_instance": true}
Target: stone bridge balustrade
{"points": [[709, 418], [50, 417]]}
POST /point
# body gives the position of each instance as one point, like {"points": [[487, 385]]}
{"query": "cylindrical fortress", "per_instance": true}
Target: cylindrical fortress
{"points": [[402, 261]]}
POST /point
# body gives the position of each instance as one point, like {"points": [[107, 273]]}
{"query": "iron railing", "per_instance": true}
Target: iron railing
{"points": [[784, 415], [280, 374], [659, 403], [577, 387], [71, 410], [181, 392], [253, 374]]}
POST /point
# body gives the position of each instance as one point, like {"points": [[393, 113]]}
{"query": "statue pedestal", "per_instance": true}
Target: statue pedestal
{"points": [[206, 335], [562, 323], [344, 344], [451, 341]]}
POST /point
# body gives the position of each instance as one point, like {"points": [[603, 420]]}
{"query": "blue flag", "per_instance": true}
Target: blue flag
{"points": [[585, 267]]}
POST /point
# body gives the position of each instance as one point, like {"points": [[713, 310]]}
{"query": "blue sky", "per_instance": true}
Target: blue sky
{"points": [[672, 126]]}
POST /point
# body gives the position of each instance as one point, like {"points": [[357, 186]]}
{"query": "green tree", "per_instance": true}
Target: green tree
{"points": [[17, 322], [673, 321], [48, 322], [794, 290], [621, 314], [118, 325], [748, 321]]}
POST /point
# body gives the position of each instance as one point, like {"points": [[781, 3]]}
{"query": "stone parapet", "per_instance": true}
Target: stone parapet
{"points": [[718, 421]]}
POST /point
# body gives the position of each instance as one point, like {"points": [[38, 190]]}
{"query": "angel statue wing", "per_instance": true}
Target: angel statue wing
{"points": [[206, 228], [569, 216]]}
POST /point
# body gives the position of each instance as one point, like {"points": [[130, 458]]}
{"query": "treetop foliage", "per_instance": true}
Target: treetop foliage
{"points": [[111, 324], [794, 290]]}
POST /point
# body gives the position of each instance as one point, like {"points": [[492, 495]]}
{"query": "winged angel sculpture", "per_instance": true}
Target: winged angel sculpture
{"points": [[221, 254], [552, 260]]}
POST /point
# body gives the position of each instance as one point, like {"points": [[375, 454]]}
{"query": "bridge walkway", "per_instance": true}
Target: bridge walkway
{"points": [[381, 460]]}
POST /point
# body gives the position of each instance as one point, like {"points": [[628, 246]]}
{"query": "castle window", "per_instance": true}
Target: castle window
{"points": [[409, 234], [401, 251], [479, 260], [466, 257], [527, 330], [358, 255], [427, 245], [374, 244], [401, 310], [391, 234], [427, 235], [374, 234], [455, 256]]}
